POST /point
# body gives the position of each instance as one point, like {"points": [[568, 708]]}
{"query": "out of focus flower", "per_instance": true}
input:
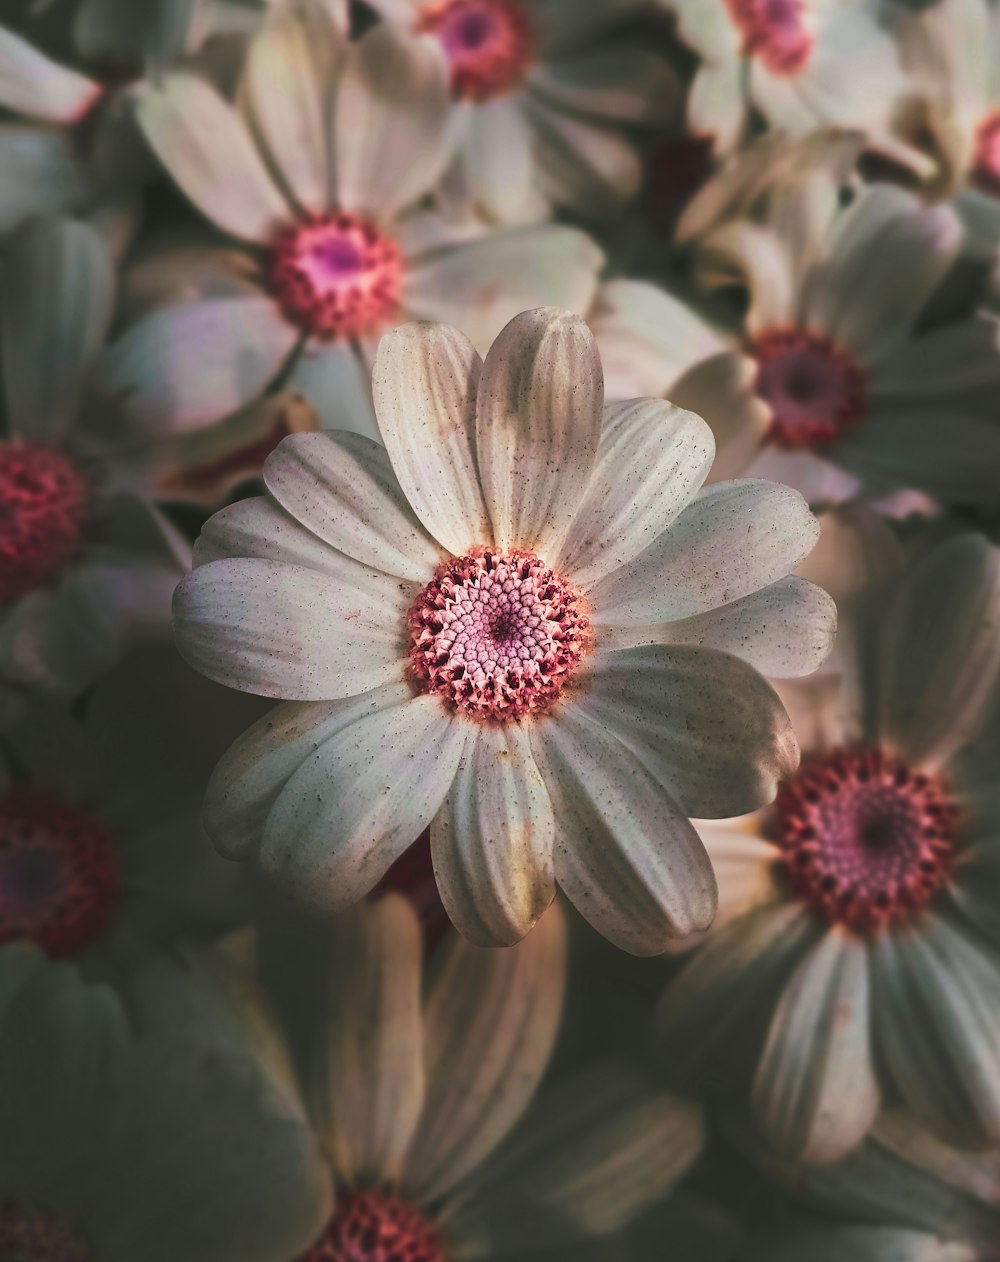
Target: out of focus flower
{"points": [[829, 1242], [83, 561], [544, 93], [332, 144], [855, 957], [521, 625], [831, 386]]}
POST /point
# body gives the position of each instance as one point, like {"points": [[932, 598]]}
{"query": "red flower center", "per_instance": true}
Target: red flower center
{"points": [[60, 881], [866, 841], [31, 1237], [776, 31], [986, 162], [497, 635], [815, 390], [376, 1227], [489, 44], [43, 506], [337, 276]]}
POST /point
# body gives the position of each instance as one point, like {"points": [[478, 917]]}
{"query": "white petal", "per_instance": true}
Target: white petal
{"points": [[424, 385], [717, 106], [342, 488], [613, 82], [756, 256], [286, 631], [745, 867], [56, 307], [490, 1024], [626, 857], [32, 84], [491, 841], [392, 139], [257, 527], [594, 169], [336, 378], [651, 461], [360, 800], [498, 161], [734, 539], [206, 147], [814, 1090], [538, 423], [721, 389]]}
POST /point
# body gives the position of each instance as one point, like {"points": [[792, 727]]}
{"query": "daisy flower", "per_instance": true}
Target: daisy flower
{"points": [[83, 560], [422, 1092], [318, 171], [830, 385], [520, 624], [856, 949], [544, 93]]}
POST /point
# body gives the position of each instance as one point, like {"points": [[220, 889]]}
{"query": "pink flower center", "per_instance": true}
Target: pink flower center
{"points": [[776, 31], [337, 276], [31, 1237], [986, 163], [489, 44], [866, 841], [497, 636], [376, 1227], [814, 389], [60, 881], [43, 507]]}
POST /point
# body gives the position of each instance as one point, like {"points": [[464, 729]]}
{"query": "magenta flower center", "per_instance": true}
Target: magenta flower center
{"points": [[43, 507], [815, 390], [489, 44], [496, 635], [986, 161], [376, 1227], [60, 881], [776, 31], [29, 1237], [866, 841], [337, 276]]}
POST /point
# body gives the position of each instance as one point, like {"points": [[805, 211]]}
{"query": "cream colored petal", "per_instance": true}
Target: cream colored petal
{"points": [[721, 390], [717, 105], [32, 84], [756, 256], [257, 527]]}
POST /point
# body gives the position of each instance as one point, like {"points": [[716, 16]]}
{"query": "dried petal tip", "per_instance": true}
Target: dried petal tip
{"points": [[376, 1227], [43, 505]]}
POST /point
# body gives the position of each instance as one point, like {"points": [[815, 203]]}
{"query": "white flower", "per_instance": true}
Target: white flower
{"points": [[858, 918], [521, 625]]}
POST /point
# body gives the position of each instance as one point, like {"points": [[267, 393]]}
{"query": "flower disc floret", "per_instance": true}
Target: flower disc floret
{"points": [[498, 636], [376, 1227], [337, 276], [43, 506], [489, 44], [867, 842], [776, 31], [815, 390], [60, 880], [26, 1236]]}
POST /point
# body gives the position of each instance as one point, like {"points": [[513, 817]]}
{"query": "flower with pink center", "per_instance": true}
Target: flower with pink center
{"points": [[489, 44], [776, 31], [815, 391], [521, 625], [855, 957]]}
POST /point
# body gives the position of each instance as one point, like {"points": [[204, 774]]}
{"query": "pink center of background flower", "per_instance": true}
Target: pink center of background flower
{"points": [[337, 276], [31, 1237], [497, 636], [376, 1227], [986, 163], [43, 506], [489, 44], [60, 881], [866, 841], [814, 389], [775, 31]]}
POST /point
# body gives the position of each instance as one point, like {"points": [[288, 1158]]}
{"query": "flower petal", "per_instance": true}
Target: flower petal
{"points": [[257, 527], [721, 389], [491, 842], [538, 423], [286, 631], [651, 461], [856, 1244], [32, 84], [424, 384]]}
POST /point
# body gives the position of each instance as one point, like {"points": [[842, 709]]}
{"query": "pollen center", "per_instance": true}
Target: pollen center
{"points": [[866, 841], [59, 873], [489, 44], [337, 276], [29, 1237], [376, 1227], [815, 390], [986, 161], [776, 31], [497, 635], [43, 506]]}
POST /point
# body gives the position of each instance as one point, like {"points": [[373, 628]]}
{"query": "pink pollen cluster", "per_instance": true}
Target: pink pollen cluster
{"points": [[866, 841], [376, 1227], [30, 1237], [43, 507], [59, 873], [775, 31], [814, 389], [489, 44], [497, 635], [337, 276], [986, 161]]}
